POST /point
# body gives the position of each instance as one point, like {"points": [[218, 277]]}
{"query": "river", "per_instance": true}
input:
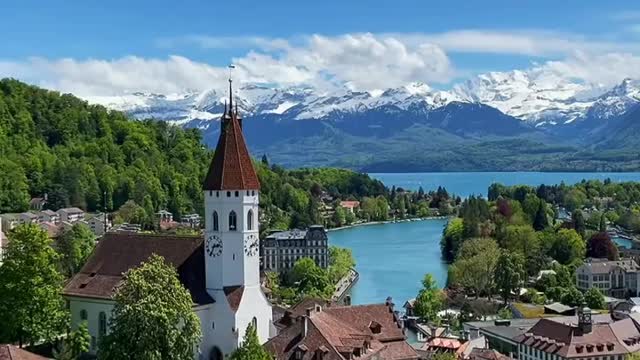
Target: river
{"points": [[393, 258]]}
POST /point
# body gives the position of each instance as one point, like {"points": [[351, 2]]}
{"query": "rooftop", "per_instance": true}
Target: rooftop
{"points": [[12, 352], [604, 266]]}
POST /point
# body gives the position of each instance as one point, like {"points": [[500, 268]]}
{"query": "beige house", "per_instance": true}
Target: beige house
{"points": [[613, 278]]}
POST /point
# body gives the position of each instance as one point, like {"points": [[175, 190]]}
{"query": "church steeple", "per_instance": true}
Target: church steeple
{"points": [[231, 167]]}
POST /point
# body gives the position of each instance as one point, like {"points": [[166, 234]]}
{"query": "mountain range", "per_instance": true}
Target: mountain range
{"points": [[496, 121]]}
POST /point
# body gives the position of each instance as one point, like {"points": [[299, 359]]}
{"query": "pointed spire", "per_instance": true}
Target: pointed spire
{"points": [[230, 96]]}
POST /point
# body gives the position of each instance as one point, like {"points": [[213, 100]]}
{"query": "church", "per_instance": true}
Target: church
{"points": [[221, 269]]}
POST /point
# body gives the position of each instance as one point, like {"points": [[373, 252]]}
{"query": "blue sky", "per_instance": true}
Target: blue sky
{"points": [[439, 42]]}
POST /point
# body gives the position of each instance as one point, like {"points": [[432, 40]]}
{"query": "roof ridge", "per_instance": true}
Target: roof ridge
{"points": [[323, 336]]}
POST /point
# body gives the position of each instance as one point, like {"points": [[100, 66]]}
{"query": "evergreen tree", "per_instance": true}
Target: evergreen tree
{"points": [[250, 348], [603, 223], [265, 160], [541, 222], [31, 304], [579, 223], [152, 307]]}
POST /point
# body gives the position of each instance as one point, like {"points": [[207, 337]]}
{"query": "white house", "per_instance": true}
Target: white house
{"points": [[48, 216], [71, 214], [221, 270], [97, 222]]}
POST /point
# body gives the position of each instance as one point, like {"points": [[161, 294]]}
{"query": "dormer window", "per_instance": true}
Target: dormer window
{"points": [[375, 327]]}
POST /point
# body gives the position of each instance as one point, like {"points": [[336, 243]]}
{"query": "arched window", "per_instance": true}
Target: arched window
{"points": [[83, 314], [102, 324], [215, 221], [250, 220], [232, 221]]}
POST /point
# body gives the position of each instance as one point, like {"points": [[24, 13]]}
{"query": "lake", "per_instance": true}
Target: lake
{"points": [[393, 258]]}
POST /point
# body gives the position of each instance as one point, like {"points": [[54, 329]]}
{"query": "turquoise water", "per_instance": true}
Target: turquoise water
{"points": [[477, 183], [393, 258]]}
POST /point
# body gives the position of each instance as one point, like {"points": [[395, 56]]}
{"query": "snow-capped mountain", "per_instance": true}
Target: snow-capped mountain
{"points": [[536, 97]]}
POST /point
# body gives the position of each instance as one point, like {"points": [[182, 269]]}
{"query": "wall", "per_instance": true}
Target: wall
{"points": [[93, 308]]}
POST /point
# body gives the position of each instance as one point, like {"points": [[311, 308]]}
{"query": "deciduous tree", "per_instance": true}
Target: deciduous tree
{"points": [[509, 274], [600, 245], [594, 298], [74, 246], [153, 317], [429, 300], [31, 304]]}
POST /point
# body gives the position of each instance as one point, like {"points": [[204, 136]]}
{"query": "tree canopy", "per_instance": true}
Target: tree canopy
{"points": [[250, 349], [152, 307]]}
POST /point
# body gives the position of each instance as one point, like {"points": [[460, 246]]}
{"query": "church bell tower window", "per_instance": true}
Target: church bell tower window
{"points": [[215, 221], [232, 221]]}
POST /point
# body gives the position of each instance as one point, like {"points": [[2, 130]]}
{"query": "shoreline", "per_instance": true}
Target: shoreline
{"points": [[367, 223]]}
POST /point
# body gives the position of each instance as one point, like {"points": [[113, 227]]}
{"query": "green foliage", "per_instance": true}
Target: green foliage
{"points": [[75, 344], [546, 282], [250, 348], [594, 298], [340, 263], [573, 297], [310, 280], [443, 356], [556, 293], [152, 307], [31, 304], [452, 238], [601, 246], [429, 300], [579, 223], [509, 274], [505, 313], [475, 265], [76, 152], [568, 247], [540, 221], [74, 246]]}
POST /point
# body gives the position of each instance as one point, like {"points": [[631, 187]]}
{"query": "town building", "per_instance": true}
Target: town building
{"points": [[221, 271], [281, 250], [191, 220], [12, 352], [98, 223], [163, 216], [38, 203], [350, 206], [9, 221], [325, 331], [617, 278], [71, 214], [48, 216]]}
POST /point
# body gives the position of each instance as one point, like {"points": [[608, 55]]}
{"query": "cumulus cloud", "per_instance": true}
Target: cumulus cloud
{"points": [[361, 61]]}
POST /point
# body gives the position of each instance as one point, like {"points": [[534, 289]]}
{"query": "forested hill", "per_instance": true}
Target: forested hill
{"points": [[76, 152]]}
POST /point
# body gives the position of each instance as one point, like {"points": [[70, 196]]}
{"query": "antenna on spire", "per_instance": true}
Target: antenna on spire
{"points": [[231, 67]]}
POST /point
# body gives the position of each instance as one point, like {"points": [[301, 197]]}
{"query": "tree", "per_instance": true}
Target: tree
{"points": [[74, 246], [602, 227], [31, 305], [429, 300], [152, 307], [452, 239], [265, 160], [524, 240], [573, 297], [594, 298], [443, 356], [601, 246], [556, 293], [546, 282], [75, 344], [310, 279], [14, 190], [578, 223], [509, 274], [340, 263], [568, 247], [475, 265], [250, 348], [540, 221], [130, 212], [339, 216]]}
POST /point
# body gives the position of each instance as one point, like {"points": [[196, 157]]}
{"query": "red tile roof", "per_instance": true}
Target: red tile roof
{"points": [[11, 352], [338, 330], [116, 253], [231, 168]]}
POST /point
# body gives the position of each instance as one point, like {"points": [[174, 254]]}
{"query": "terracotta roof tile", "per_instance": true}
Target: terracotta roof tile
{"points": [[231, 167], [116, 253], [11, 352]]}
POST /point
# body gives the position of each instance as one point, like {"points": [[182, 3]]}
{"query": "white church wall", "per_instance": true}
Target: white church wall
{"points": [[254, 304], [93, 307], [219, 329]]}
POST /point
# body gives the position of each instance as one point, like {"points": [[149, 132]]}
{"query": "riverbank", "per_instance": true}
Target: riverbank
{"points": [[344, 285], [367, 223]]}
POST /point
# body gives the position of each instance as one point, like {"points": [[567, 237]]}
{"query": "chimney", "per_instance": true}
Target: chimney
{"points": [[305, 326]]}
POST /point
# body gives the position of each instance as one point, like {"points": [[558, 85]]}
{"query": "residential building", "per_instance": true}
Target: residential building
{"points": [[281, 250], [191, 220], [350, 206], [12, 352], [52, 229], [48, 216], [126, 228], [71, 214], [552, 340], [98, 223], [342, 332], [9, 221], [221, 270], [617, 278], [163, 216], [38, 203]]}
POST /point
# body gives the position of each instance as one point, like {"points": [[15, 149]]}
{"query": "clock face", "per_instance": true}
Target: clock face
{"points": [[213, 246], [251, 245]]}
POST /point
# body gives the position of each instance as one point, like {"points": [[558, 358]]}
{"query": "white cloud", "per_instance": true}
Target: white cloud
{"points": [[604, 69]]}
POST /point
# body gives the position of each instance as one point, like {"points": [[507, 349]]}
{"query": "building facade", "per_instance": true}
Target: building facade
{"points": [[617, 278], [281, 250], [221, 270], [71, 214]]}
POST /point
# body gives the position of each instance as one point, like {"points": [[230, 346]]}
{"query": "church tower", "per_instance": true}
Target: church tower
{"points": [[231, 243]]}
